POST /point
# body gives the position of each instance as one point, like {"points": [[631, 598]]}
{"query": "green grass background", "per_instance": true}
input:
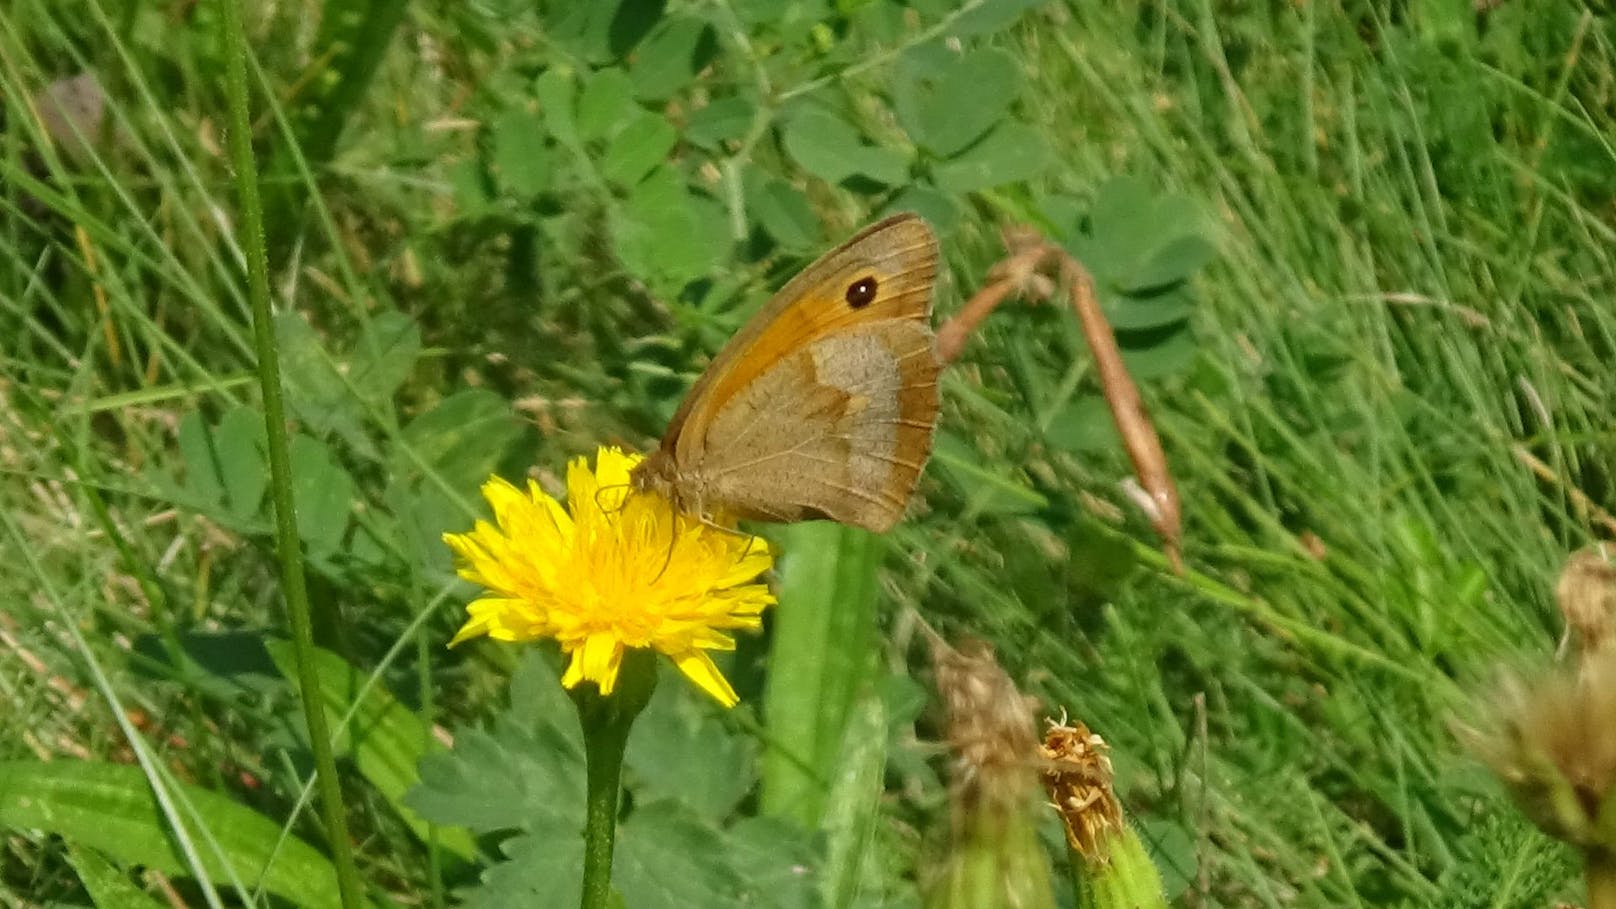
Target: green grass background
{"points": [[1412, 210]]}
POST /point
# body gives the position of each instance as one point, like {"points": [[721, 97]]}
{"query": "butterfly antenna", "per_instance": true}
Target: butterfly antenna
{"points": [[667, 559], [600, 503]]}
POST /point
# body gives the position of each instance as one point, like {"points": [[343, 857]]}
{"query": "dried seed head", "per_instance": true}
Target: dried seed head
{"points": [[1077, 774], [990, 726], [1552, 741], [994, 857], [1586, 593]]}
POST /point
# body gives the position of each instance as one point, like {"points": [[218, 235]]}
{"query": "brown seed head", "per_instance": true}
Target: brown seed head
{"points": [[1586, 593], [1077, 773]]}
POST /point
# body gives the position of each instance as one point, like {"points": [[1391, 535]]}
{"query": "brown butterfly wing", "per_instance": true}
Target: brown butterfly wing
{"points": [[824, 404], [899, 252], [839, 429]]}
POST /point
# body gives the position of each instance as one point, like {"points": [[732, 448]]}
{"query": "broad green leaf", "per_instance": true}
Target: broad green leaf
{"points": [[782, 211], [599, 31], [680, 749], [385, 355], [324, 493], [1159, 354], [1173, 262], [243, 464], [556, 93], [667, 858], [670, 59], [1084, 426], [316, 389], [723, 120], [385, 740], [636, 150], [109, 888], [606, 105], [991, 16], [111, 808], [820, 659], [525, 772], [831, 149], [1147, 311], [463, 438], [779, 861], [1011, 153], [947, 107], [853, 804], [939, 209], [199, 450], [520, 155], [666, 234], [542, 868]]}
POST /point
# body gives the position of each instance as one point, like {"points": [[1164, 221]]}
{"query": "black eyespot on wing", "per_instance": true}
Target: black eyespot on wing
{"points": [[861, 292]]}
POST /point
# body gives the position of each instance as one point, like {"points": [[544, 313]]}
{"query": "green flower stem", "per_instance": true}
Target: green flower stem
{"points": [[606, 721], [287, 548]]}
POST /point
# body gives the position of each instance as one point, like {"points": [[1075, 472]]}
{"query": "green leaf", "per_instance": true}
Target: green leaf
{"points": [[545, 868], [606, 105], [820, 659], [526, 772], [668, 235], [599, 31], [782, 211], [1011, 153], [680, 749], [939, 209], [667, 858], [519, 154], [670, 59], [108, 887], [1173, 262], [385, 355], [199, 451], [324, 493], [947, 105], [556, 94], [1158, 354], [779, 862], [463, 438], [1144, 312], [385, 739], [111, 808], [830, 148], [1084, 426], [852, 806], [991, 16], [724, 120], [316, 389], [639, 148]]}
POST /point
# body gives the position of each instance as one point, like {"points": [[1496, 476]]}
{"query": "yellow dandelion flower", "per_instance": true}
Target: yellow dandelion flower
{"points": [[612, 570]]}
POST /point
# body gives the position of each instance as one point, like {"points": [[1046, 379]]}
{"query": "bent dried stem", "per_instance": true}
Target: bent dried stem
{"points": [[1021, 274]]}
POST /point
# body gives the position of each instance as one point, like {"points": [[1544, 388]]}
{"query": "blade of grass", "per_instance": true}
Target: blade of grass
{"points": [[294, 586]]}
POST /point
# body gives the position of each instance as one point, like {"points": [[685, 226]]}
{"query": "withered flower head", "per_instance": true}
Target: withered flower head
{"points": [[1586, 593], [994, 857], [1077, 774], [1552, 740]]}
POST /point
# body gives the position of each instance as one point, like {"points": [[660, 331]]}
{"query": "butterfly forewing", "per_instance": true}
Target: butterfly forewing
{"points": [[824, 404]]}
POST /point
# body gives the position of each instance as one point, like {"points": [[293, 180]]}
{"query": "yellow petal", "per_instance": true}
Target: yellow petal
{"points": [[699, 668]]}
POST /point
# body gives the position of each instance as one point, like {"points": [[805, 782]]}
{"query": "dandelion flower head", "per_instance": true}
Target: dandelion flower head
{"points": [[612, 570]]}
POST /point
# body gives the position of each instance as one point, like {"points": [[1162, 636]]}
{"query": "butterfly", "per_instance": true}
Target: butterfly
{"points": [[824, 405]]}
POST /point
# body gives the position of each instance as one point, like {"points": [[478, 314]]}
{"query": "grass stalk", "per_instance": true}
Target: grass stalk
{"points": [[293, 584]]}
